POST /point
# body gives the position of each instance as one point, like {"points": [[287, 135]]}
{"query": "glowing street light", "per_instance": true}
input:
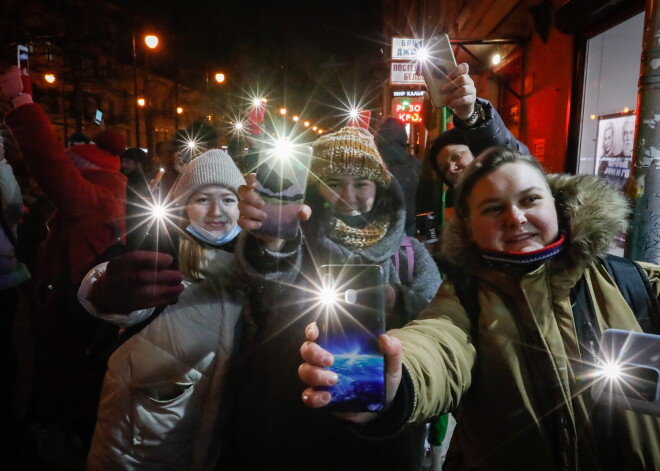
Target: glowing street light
{"points": [[296, 118], [179, 110], [219, 77], [320, 131], [283, 111], [314, 128], [50, 78], [306, 124], [141, 101], [151, 41]]}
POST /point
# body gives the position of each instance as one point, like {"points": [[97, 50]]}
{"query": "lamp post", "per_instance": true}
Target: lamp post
{"points": [[52, 79], [151, 41]]}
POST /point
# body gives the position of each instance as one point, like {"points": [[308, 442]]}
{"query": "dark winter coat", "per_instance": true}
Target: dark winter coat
{"points": [[526, 326], [392, 142], [274, 428]]}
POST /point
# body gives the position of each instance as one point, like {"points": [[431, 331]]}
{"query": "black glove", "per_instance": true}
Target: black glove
{"points": [[137, 280]]}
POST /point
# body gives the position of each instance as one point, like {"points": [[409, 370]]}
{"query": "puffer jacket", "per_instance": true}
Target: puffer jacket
{"points": [[163, 403], [524, 361], [269, 392], [12, 272]]}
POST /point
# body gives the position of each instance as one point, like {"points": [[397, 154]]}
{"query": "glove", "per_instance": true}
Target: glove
{"points": [[16, 86], [137, 280]]}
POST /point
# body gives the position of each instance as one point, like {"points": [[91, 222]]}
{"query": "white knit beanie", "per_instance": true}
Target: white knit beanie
{"points": [[213, 167]]}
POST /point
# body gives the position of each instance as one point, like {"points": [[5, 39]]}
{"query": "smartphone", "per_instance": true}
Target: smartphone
{"points": [[281, 182], [352, 319], [23, 56], [438, 61], [361, 119], [628, 373], [98, 117]]}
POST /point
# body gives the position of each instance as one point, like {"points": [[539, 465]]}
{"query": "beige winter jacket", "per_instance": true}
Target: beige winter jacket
{"points": [[527, 344]]}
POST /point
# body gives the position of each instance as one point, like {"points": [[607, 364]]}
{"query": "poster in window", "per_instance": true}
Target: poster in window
{"points": [[614, 147]]}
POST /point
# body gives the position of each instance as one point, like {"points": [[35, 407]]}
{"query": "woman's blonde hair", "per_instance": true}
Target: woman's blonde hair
{"points": [[192, 256]]}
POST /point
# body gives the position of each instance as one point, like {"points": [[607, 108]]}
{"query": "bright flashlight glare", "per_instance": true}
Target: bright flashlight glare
{"points": [[283, 148], [611, 371], [158, 211], [239, 125], [497, 58], [423, 54], [353, 113], [191, 144], [328, 295]]}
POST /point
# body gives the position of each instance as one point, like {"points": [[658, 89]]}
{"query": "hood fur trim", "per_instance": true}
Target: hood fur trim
{"points": [[591, 212]]}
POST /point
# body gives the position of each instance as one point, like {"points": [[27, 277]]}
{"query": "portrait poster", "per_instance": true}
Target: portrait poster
{"points": [[614, 147]]}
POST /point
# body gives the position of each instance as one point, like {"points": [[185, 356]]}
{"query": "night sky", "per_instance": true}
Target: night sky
{"points": [[302, 54]]}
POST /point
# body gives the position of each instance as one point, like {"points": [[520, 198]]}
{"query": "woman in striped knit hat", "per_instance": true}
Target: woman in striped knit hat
{"points": [[357, 217]]}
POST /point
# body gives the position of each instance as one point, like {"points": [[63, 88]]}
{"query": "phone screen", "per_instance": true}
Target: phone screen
{"points": [[98, 117], [353, 318], [23, 59], [281, 183], [436, 63]]}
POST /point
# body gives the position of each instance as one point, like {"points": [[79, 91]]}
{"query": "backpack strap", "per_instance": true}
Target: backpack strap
{"points": [[410, 260], [468, 295], [636, 290]]}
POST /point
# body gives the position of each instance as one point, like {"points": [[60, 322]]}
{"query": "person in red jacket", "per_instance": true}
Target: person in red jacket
{"points": [[88, 191]]}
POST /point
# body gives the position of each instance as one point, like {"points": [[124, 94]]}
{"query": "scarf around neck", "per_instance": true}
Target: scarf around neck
{"points": [[358, 237]]}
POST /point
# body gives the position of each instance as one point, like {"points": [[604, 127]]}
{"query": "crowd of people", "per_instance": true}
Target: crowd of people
{"points": [[177, 343]]}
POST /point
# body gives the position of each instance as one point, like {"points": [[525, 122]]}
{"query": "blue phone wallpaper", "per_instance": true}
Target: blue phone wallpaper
{"points": [[350, 332]]}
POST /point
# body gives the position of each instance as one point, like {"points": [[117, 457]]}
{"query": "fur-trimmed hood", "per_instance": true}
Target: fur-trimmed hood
{"points": [[591, 212]]}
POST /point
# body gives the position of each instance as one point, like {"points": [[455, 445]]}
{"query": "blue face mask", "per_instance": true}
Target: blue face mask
{"points": [[208, 238]]}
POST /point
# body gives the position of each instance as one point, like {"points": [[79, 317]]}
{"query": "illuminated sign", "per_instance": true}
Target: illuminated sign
{"points": [[408, 110], [405, 48], [405, 73]]}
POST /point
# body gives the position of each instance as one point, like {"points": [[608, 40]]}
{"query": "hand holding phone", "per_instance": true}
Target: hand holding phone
{"points": [[281, 182], [315, 372], [352, 320], [23, 55], [436, 60]]}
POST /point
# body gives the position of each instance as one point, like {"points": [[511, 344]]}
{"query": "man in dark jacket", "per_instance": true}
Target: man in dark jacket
{"points": [[457, 147], [392, 142]]}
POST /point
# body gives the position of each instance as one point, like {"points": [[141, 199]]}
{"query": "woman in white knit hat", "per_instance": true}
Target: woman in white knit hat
{"points": [[357, 217], [162, 399]]}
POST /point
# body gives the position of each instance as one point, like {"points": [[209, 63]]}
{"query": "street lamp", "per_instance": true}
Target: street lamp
{"points": [[306, 124], [283, 111], [50, 78], [179, 110], [296, 118], [151, 41], [219, 77], [141, 102]]}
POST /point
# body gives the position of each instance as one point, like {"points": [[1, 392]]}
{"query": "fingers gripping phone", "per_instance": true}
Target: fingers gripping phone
{"points": [[23, 55], [353, 318], [281, 182], [436, 60]]}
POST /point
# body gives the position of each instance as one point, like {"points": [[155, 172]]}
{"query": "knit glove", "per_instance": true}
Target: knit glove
{"points": [[16, 86], [137, 280]]}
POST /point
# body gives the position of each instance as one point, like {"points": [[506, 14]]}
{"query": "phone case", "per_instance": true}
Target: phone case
{"points": [[638, 356], [440, 61], [349, 329], [281, 183]]}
